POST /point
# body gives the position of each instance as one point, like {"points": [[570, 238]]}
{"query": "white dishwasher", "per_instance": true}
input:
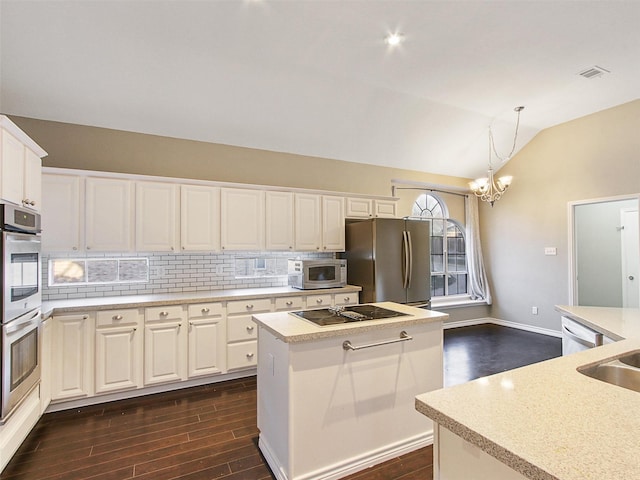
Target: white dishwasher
{"points": [[577, 337]]}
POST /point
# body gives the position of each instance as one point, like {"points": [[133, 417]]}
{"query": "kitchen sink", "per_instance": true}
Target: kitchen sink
{"points": [[623, 371]]}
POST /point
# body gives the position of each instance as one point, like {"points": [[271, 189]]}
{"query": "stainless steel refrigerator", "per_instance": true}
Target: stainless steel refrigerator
{"points": [[389, 258]]}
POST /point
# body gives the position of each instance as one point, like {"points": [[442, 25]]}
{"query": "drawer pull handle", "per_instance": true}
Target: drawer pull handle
{"points": [[250, 306], [117, 317], [84, 317], [347, 299], [134, 329], [404, 337], [164, 314], [319, 300], [205, 310], [250, 328], [289, 303], [250, 355]]}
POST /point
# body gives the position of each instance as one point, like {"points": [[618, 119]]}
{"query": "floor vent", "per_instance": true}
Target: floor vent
{"points": [[593, 72]]}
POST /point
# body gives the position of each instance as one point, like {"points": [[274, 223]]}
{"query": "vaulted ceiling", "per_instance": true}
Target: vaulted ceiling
{"points": [[316, 77]]}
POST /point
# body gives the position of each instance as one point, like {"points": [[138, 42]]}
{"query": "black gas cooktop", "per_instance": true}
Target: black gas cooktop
{"points": [[355, 313]]}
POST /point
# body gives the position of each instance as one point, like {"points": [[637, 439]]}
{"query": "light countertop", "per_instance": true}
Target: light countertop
{"points": [[547, 420], [291, 329], [141, 301]]}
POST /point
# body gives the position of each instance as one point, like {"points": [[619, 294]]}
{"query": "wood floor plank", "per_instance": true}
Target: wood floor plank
{"points": [[199, 433]]}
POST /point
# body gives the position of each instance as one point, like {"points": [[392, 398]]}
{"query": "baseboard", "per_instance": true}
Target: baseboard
{"points": [[503, 323], [352, 465]]}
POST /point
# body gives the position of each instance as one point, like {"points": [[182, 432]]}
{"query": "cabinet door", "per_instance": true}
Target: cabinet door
{"points": [[385, 208], [333, 224], [242, 219], [279, 221], [207, 341], [118, 357], [61, 213], [164, 352], [156, 225], [109, 214], [12, 168], [32, 180], [199, 218], [72, 364], [359, 208], [308, 225]]}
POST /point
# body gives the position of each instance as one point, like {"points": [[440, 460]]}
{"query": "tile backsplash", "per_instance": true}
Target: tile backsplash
{"points": [[179, 272]]}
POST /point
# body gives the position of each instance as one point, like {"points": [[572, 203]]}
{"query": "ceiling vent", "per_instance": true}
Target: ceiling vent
{"points": [[593, 72]]}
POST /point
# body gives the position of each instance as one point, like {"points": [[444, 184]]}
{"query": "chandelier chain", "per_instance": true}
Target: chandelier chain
{"points": [[492, 145]]}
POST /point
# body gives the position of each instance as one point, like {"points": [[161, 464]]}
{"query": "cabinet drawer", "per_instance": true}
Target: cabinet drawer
{"points": [[242, 355], [155, 314], [314, 301], [249, 306], [241, 328], [116, 318], [202, 310], [345, 298], [289, 303]]}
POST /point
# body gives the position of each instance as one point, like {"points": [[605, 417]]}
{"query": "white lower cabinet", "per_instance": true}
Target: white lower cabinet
{"points": [[165, 345], [319, 301], [346, 298], [72, 356], [207, 340], [119, 347], [242, 332]]}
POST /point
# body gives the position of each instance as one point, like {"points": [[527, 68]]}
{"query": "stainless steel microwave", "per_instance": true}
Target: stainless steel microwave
{"points": [[323, 273]]}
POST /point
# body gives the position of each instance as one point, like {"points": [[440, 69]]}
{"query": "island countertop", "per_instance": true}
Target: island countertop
{"points": [[291, 329], [547, 420]]}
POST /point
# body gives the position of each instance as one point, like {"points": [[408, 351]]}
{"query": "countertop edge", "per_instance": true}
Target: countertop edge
{"points": [[497, 451], [56, 307], [353, 328]]}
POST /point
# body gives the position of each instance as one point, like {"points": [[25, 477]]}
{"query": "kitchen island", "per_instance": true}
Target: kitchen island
{"points": [[543, 421], [324, 410]]}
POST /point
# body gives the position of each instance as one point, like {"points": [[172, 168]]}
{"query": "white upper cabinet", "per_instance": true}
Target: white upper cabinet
{"points": [[109, 214], [308, 223], [319, 222], [61, 213], [242, 219], [279, 220], [156, 220], [332, 224], [369, 208], [20, 166], [199, 218]]}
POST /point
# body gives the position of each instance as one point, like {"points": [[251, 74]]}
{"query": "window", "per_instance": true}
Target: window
{"points": [[72, 272], [448, 257]]}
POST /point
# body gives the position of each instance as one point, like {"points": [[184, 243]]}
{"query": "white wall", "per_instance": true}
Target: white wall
{"points": [[595, 156]]}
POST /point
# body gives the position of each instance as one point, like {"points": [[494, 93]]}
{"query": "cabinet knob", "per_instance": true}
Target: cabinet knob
{"points": [[205, 310], [289, 303], [630, 277], [250, 355], [117, 317], [346, 299], [75, 248], [164, 313], [135, 329], [250, 328], [88, 247], [32, 203], [250, 306], [319, 300]]}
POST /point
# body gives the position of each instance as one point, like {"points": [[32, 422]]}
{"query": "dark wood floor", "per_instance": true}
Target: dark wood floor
{"points": [[210, 432]]}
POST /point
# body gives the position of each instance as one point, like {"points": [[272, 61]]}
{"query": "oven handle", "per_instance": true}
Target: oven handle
{"points": [[21, 323]]}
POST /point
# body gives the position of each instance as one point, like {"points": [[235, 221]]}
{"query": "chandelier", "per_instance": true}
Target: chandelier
{"points": [[489, 189]]}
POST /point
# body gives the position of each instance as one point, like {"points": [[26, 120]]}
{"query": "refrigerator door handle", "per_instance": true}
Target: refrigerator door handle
{"points": [[406, 259], [410, 243]]}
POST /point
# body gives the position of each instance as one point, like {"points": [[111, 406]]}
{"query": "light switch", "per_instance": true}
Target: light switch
{"points": [[550, 251]]}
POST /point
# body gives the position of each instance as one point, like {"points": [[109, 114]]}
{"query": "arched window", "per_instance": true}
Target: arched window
{"points": [[448, 257]]}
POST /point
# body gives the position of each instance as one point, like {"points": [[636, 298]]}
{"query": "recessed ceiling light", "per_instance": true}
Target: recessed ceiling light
{"points": [[394, 39]]}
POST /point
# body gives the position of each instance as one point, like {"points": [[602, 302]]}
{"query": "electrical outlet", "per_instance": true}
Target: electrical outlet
{"points": [[534, 310]]}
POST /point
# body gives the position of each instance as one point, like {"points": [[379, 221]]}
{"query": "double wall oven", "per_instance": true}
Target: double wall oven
{"points": [[21, 305]]}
